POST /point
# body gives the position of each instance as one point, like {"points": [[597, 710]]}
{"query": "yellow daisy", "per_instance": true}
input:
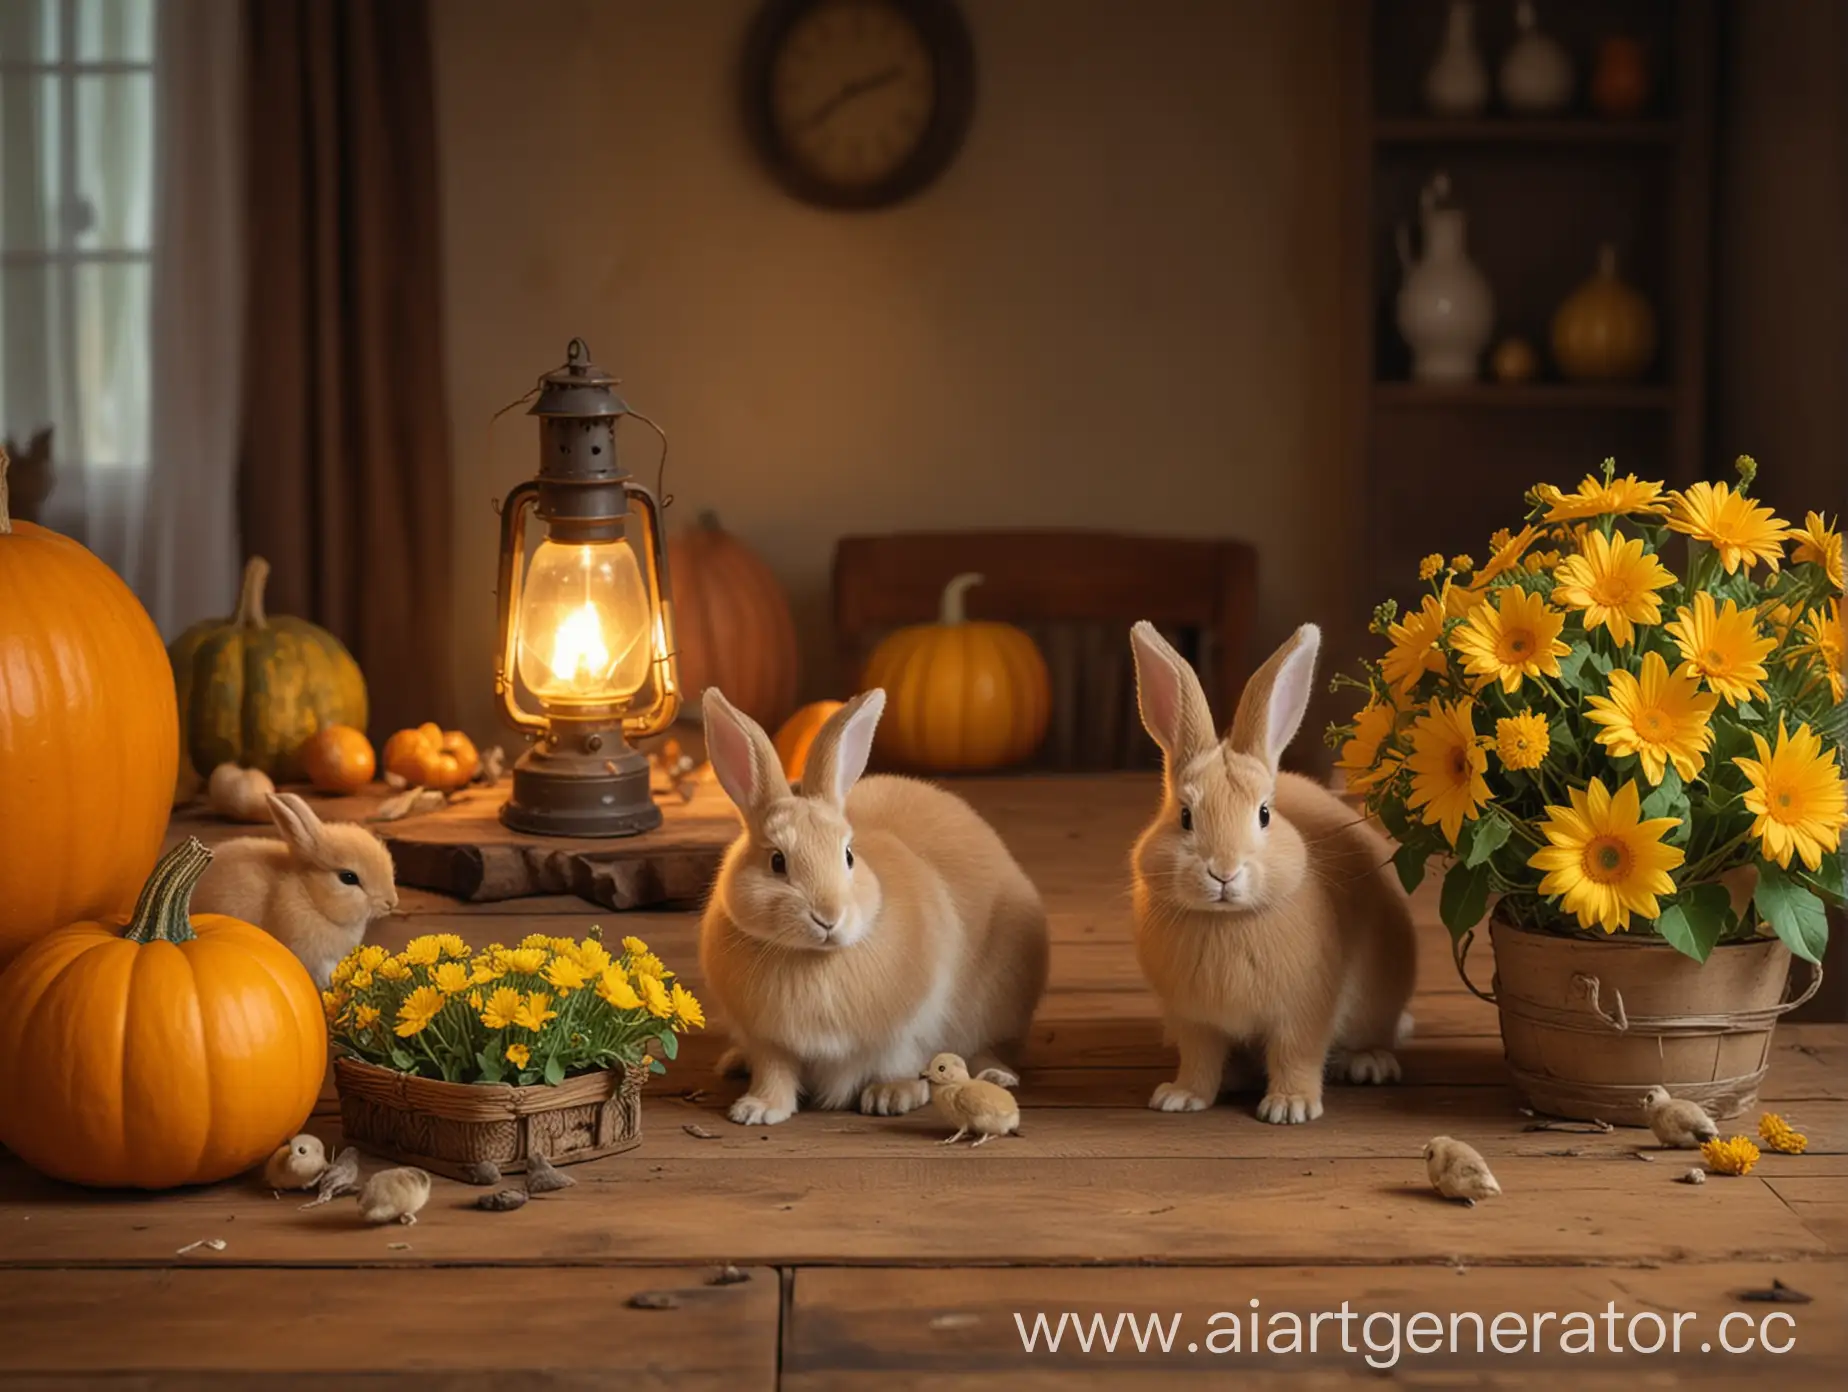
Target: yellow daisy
{"points": [[1723, 646], [565, 974], [1414, 649], [1604, 862], [502, 1009], [394, 969], [634, 946], [371, 956], [614, 987], [360, 980], [1797, 795], [1431, 566], [419, 1009], [1522, 741], [1539, 562], [451, 978], [1780, 1135], [343, 970], [1519, 638], [331, 1005], [534, 1011], [1506, 554], [1733, 1157], [647, 964], [1595, 498], [654, 996], [537, 940], [1462, 564], [452, 945], [592, 956], [365, 1016], [519, 1055], [1819, 645], [490, 966], [1364, 757], [1447, 763], [687, 1010], [1614, 581], [423, 951], [1819, 544], [527, 960], [475, 1000], [1736, 527], [1660, 717]]}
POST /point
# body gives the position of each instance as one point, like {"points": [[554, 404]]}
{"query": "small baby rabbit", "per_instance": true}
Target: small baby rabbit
{"points": [[1264, 909], [860, 927], [316, 891]]}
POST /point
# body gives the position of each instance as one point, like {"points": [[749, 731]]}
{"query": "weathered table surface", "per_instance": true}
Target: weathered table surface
{"points": [[876, 1258]]}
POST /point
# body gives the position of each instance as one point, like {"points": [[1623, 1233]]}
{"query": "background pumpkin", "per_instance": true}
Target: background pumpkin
{"points": [[338, 759], [960, 695], [181, 1051], [731, 623], [798, 734], [88, 736], [428, 756], [253, 687]]}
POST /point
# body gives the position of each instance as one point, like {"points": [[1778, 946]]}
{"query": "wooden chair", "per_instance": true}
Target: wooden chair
{"points": [[1077, 593]]}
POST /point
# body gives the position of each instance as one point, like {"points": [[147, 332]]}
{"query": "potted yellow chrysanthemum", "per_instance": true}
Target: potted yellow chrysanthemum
{"points": [[449, 1059], [1640, 766]]}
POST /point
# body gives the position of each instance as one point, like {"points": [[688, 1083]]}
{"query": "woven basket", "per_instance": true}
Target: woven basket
{"points": [[446, 1127], [1588, 1027]]}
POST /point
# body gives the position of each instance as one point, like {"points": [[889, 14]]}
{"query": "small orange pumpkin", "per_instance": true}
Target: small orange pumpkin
{"points": [[798, 734], [180, 1051], [1605, 331], [961, 695], [338, 759], [428, 756]]}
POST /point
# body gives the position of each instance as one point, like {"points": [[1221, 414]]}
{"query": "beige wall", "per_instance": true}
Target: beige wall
{"points": [[1116, 309]]}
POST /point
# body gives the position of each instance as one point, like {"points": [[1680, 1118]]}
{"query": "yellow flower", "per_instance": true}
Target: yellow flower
{"points": [[360, 980], [1723, 646], [474, 1000], [654, 996], [565, 974], [647, 964], [537, 940], [1447, 763], [1603, 861], [1820, 645], [519, 1055], [1431, 566], [1542, 561], [1523, 741], [592, 956], [1736, 527], [1797, 795], [451, 978], [1520, 638], [1506, 555], [1460, 601], [394, 969], [1595, 498], [1364, 758], [686, 1008], [452, 945], [1414, 648], [1819, 544], [1780, 1135], [418, 1009], [527, 960], [371, 956], [1734, 1157], [614, 987], [1660, 717], [634, 946], [331, 1004], [1462, 564], [423, 951], [1614, 581], [343, 970], [491, 966], [365, 1016], [502, 1008], [534, 1011]]}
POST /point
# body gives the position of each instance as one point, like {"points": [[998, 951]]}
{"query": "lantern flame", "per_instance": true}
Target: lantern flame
{"points": [[579, 654]]}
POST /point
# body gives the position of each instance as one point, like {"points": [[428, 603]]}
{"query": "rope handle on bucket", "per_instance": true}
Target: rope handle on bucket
{"points": [[1589, 987], [1459, 953]]}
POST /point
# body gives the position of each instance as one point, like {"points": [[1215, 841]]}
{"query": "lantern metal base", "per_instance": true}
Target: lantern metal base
{"points": [[559, 793]]}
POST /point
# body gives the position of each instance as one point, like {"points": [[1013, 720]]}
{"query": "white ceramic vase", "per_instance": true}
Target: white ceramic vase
{"points": [[1458, 81], [1536, 72], [1446, 310]]}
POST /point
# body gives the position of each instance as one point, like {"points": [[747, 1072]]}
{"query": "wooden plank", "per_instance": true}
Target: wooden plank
{"points": [[950, 1206], [464, 1328], [1821, 1201], [956, 1329]]}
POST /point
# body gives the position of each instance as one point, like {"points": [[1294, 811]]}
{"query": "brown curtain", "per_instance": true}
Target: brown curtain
{"points": [[345, 472]]}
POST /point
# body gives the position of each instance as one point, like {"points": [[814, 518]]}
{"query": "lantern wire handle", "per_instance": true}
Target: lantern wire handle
{"points": [[666, 499]]}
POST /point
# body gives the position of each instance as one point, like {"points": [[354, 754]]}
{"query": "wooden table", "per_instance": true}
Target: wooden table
{"points": [[876, 1258]]}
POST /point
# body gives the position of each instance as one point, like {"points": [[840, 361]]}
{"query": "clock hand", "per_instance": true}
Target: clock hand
{"points": [[857, 88]]}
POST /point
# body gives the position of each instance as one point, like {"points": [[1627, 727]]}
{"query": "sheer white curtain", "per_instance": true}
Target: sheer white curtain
{"points": [[121, 279]]}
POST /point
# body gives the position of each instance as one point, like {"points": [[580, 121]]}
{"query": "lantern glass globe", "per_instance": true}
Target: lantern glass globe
{"points": [[586, 627]]}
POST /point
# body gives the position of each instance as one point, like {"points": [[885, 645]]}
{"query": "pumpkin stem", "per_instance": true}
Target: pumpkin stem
{"points": [[250, 597], [952, 611], [708, 521], [163, 913], [6, 518]]}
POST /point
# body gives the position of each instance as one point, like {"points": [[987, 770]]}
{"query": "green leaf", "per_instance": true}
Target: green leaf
{"points": [[1602, 663], [1409, 861], [1670, 799], [1831, 881], [1491, 835], [489, 1061], [403, 1059], [656, 1066], [1694, 923], [670, 1046], [1795, 915], [1465, 897], [1572, 668], [1745, 710], [1392, 817], [554, 1070], [1565, 744]]}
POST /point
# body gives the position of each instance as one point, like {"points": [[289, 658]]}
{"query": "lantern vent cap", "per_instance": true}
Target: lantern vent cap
{"points": [[578, 388]]}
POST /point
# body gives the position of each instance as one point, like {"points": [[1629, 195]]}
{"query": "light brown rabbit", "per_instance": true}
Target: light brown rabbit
{"points": [[860, 927], [316, 891], [1265, 913]]}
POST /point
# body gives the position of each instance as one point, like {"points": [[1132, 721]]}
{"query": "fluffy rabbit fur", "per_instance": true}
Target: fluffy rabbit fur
{"points": [[316, 891], [1265, 911], [858, 928]]}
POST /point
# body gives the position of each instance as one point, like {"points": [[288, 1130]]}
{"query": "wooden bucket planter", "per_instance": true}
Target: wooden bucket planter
{"points": [[1588, 1027], [446, 1127]]}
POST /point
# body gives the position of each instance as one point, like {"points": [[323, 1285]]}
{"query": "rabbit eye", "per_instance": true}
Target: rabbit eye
{"points": [[1187, 819], [850, 857], [1263, 814], [347, 877], [779, 864]]}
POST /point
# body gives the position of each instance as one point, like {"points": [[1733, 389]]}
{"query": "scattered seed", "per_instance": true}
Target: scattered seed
{"points": [[955, 1319], [698, 1133], [216, 1244], [1643, 1155], [399, 1246], [1694, 1177], [654, 1300], [729, 1275]]}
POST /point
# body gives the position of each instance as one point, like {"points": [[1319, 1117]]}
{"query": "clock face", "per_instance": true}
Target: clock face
{"points": [[858, 103]]}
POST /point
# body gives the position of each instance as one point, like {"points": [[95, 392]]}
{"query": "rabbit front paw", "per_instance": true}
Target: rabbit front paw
{"points": [[894, 1099], [1172, 1097], [1289, 1108], [755, 1111], [1370, 1066]]}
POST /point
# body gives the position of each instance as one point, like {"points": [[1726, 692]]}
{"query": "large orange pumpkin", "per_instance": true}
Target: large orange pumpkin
{"points": [[731, 623], [798, 733], [181, 1051], [960, 695], [89, 736]]}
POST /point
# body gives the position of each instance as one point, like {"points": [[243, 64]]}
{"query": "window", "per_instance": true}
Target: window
{"points": [[76, 234]]}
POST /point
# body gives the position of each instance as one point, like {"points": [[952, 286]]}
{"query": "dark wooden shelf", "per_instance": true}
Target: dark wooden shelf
{"points": [[1489, 130], [1523, 396]]}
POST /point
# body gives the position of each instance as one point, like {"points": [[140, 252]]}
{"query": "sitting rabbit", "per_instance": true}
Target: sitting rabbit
{"points": [[859, 928], [316, 891]]}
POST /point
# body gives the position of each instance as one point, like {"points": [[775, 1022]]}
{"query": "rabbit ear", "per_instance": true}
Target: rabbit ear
{"points": [[1173, 705], [1271, 709], [842, 746], [742, 756], [296, 821]]}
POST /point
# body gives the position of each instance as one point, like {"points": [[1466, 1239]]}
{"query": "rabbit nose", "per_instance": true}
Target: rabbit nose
{"points": [[826, 925]]}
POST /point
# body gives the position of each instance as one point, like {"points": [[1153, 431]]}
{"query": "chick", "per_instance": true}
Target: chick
{"points": [[394, 1194], [970, 1104], [1676, 1121], [297, 1164], [1458, 1171]]}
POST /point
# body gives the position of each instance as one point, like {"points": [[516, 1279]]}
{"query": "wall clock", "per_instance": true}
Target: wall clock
{"points": [[858, 103]]}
